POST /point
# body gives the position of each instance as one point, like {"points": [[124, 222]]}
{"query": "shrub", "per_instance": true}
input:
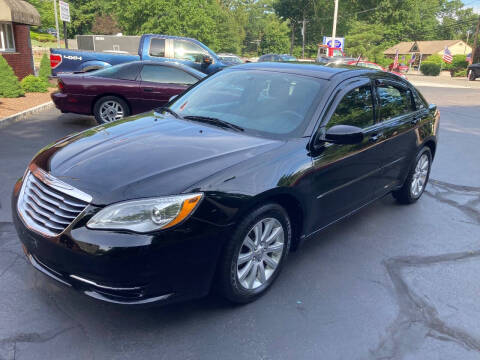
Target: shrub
{"points": [[9, 84], [33, 83], [460, 73], [430, 68], [42, 37], [435, 58], [45, 71]]}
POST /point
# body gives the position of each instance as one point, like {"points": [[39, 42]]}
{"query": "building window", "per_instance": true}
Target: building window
{"points": [[7, 42]]}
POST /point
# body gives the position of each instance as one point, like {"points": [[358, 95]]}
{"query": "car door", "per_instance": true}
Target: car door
{"points": [[397, 120], [345, 176], [159, 82]]}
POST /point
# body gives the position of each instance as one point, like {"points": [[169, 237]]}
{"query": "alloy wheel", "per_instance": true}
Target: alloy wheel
{"points": [[260, 253], [111, 111], [419, 178]]}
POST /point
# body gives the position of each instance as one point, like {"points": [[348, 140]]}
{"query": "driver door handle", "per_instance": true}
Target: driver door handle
{"points": [[148, 89]]}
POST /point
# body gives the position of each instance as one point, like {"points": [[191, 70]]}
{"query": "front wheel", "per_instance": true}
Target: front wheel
{"points": [[254, 255], [417, 178]]}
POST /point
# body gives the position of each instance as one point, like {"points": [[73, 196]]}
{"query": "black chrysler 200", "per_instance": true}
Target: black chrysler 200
{"points": [[215, 189]]}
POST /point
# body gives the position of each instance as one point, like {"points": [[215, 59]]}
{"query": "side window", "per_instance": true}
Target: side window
{"points": [[186, 50], [356, 109], [157, 47], [394, 101], [420, 104], [166, 75]]}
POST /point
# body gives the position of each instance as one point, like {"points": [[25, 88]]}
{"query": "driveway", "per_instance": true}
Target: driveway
{"points": [[391, 282]]}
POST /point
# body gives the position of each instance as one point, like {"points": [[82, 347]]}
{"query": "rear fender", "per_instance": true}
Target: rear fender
{"points": [[93, 65]]}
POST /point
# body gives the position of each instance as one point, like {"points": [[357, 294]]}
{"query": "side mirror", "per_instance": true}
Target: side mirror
{"points": [[172, 98], [344, 134], [207, 60], [432, 108]]}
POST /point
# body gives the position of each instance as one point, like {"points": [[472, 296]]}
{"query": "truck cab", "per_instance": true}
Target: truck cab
{"points": [[187, 51]]}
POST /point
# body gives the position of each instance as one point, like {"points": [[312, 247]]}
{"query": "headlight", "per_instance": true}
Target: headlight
{"points": [[146, 214]]}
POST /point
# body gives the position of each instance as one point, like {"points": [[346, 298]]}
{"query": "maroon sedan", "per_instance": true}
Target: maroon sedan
{"points": [[118, 91]]}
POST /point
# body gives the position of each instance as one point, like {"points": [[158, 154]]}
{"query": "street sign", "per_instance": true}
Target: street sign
{"points": [[339, 42], [64, 11]]}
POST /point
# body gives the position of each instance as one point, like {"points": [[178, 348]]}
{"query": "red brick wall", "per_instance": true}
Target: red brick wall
{"points": [[21, 60]]}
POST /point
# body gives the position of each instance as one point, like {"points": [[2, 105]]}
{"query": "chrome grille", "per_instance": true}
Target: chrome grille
{"points": [[48, 205]]}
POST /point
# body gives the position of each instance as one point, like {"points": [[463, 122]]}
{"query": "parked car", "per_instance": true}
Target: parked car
{"points": [[230, 59], [473, 71], [371, 65], [121, 90], [159, 48], [277, 57], [215, 189]]}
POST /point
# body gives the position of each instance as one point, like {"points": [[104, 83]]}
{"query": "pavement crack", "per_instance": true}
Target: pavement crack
{"points": [[34, 337], [446, 192], [417, 319]]}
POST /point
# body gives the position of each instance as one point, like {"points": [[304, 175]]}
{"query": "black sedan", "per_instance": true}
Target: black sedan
{"points": [[216, 188], [473, 71]]}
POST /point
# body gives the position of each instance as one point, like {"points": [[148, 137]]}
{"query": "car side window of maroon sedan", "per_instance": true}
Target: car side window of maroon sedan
{"points": [[166, 75]]}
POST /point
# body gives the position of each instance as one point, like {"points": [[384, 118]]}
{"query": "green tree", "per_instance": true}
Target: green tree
{"points": [[45, 70], [9, 84], [275, 38]]}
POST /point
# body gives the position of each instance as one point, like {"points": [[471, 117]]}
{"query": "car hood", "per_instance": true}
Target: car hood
{"points": [[146, 155]]}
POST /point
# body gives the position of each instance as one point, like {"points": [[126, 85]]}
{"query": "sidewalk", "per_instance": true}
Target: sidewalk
{"points": [[443, 81]]}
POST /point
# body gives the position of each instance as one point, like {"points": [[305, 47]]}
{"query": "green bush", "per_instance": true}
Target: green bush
{"points": [[42, 37], [430, 68], [9, 84], [460, 73], [45, 71], [435, 58], [33, 83]]}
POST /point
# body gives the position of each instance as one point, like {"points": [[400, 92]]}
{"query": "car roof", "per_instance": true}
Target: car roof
{"points": [[313, 70]]}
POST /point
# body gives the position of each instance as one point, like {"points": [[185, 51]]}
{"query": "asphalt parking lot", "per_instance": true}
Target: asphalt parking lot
{"points": [[391, 282]]}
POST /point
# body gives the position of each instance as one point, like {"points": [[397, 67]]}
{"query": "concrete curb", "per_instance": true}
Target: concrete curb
{"points": [[24, 114]]}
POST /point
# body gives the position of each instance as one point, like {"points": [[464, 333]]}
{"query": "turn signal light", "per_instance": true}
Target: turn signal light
{"points": [[61, 85], [55, 60]]}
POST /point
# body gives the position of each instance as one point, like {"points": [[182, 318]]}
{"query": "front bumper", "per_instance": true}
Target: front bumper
{"points": [[126, 268]]}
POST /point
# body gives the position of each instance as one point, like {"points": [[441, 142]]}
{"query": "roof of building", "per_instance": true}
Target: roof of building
{"points": [[19, 11], [424, 47]]}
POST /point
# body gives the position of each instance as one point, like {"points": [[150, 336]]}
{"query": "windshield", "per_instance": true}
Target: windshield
{"points": [[266, 103], [373, 66]]}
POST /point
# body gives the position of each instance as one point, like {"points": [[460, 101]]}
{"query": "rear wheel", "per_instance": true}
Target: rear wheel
{"points": [[110, 108], [471, 75], [254, 256], [417, 178]]}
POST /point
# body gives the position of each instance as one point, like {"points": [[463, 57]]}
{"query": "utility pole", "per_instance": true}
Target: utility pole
{"points": [[56, 22], [475, 41], [303, 35], [334, 30]]}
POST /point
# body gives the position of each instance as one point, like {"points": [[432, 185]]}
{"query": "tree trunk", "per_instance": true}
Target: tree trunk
{"points": [[292, 39]]}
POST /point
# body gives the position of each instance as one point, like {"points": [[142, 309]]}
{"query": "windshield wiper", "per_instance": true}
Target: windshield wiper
{"points": [[214, 121], [167, 109]]}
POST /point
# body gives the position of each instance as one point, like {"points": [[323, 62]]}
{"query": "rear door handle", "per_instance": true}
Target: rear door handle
{"points": [[415, 120], [376, 137], [148, 89]]}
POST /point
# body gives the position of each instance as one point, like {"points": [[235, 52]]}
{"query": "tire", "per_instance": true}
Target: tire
{"points": [[416, 180], [243, 282], [471, 75], [110, 108]]}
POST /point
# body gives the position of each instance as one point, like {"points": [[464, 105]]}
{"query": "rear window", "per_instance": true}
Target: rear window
{"points": [[121, 72], [157, 47]]}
